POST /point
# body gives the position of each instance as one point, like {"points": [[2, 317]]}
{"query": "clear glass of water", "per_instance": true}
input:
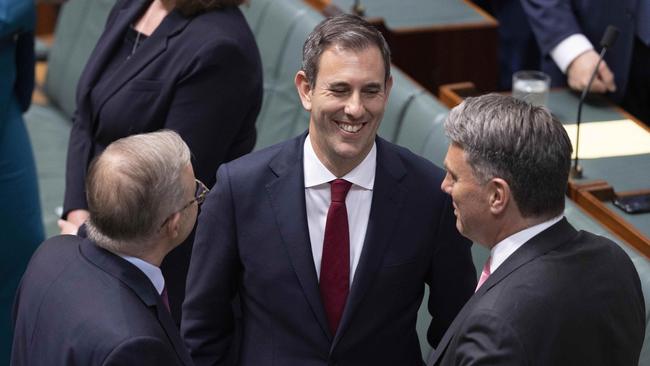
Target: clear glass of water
{"points": [[531, 86]]}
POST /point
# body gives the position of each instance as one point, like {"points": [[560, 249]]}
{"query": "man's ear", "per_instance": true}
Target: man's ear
{"points": [[304, 89], [500, 195], [173, 225]]}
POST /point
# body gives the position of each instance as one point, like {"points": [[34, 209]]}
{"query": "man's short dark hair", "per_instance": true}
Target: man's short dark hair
{"points": [[347, 31]]}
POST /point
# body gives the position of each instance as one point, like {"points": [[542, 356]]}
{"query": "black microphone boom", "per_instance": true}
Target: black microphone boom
{"points": [[611, 33]]}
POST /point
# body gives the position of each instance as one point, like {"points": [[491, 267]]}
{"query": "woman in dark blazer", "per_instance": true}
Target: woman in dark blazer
{"points": [[21, 226], [191, 66]]}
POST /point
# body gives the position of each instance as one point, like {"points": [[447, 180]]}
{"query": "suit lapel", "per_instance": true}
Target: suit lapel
{"points": [[288, 203], [541, 244], [137, 281], [165, 319], [155, 45], [107, 44], [387, 199]]}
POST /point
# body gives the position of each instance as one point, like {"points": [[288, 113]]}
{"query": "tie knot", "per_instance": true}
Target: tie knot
{"points": [[339, 188]]}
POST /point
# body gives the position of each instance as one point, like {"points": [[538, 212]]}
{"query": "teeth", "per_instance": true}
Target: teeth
{"points": [[350, 128]]}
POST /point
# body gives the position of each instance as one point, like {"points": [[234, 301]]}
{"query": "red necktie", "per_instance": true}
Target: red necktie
{"points": [[165, 298], [335, 263], [485, 274]]}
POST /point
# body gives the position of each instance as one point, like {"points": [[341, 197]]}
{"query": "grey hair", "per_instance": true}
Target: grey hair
{"points": [[518, 142], [133, 186], [347, 31]]}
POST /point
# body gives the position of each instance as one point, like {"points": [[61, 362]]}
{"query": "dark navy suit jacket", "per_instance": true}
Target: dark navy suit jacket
{"points": [[564, 298], [199, 76], [554, 20], [253, 240], [79, 304]]}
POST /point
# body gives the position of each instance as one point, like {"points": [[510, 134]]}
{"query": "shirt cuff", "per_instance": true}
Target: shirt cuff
{"points": [[570, 48]]}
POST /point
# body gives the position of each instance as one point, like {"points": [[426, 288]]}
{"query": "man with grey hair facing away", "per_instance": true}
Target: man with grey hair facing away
{"points": [[102, 300], [548, 294]]}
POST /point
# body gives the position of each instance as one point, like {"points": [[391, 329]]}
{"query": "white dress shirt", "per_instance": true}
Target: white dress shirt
{"points": [[357, 202], [152, 272], [570, 48], [509, 245]]}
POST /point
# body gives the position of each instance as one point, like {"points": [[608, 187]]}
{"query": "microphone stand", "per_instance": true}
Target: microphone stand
{"points": [[576, 169], [611, 33]]}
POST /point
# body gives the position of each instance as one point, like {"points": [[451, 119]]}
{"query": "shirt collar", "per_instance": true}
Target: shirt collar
{"points": [[363, 175], [509, 245], [152, 272]]}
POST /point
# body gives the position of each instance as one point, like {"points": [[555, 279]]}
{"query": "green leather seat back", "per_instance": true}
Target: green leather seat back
{"points": [[401, 95], [78, 28], [422, 130], [280, 28]]}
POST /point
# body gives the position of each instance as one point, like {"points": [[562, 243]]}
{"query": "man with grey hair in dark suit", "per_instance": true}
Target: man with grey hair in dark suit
{"points": [[102, 300], [548, 294]]}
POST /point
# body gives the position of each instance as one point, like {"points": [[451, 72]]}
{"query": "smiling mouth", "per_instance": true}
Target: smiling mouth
{"points": [[350, 128]]}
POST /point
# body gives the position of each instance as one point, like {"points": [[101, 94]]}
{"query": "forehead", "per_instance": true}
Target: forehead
{"points": [[456, 161], [339, 64]]}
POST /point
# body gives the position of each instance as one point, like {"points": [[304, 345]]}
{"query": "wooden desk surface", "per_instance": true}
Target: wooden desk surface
{"points": [[421, 15]]}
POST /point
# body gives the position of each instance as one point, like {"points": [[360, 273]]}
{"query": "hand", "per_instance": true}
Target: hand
{"points": [[75, 219], [580, 70]]}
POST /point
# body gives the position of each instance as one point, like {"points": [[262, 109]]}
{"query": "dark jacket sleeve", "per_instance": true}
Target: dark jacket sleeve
{"points": [[552, 21], [208, 321], [216, 103], [80, 144], [487, 339], [142, 351]]}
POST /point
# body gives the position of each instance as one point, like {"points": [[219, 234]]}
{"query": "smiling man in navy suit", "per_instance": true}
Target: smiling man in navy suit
{"points": [[102, 300], [329, 238]]}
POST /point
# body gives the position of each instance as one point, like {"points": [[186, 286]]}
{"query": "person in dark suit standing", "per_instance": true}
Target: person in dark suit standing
{"points": [[102, 300], [191, 66], [567, 31], [329, 238], [548, 294]]}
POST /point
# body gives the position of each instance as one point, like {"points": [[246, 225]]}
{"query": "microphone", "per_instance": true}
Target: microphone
{"points": [[611, 33]]}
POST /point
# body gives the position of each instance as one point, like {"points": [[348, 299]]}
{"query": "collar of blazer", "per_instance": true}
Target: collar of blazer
{"points": [[541, 244], [113, 34], [286, 200], [133, 278]]}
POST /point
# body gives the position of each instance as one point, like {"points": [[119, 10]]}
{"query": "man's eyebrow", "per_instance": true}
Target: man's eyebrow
{"points": [[337, 84], [444, 164]]}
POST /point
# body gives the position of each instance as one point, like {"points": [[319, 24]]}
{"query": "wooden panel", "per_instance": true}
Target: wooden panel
{"points": [[591, 197], [46, 18]]}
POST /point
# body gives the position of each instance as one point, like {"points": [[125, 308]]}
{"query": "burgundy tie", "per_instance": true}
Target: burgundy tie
{"points": [[335, 264], [165, 298]]}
